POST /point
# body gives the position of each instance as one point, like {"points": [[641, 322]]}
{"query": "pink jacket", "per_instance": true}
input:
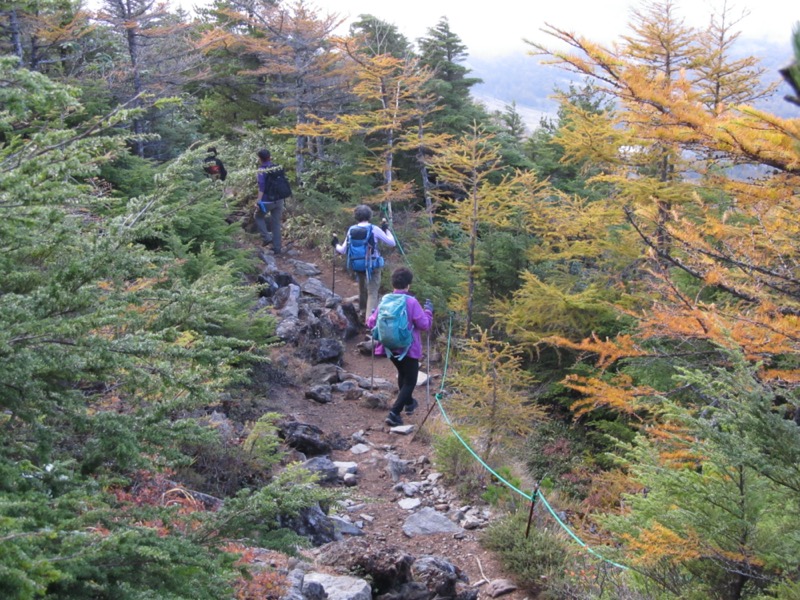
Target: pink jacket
{"points": [[419, 319]]}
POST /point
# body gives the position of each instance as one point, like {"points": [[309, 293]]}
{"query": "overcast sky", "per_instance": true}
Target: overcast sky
{"points": [[493, 27], [497, 27]]}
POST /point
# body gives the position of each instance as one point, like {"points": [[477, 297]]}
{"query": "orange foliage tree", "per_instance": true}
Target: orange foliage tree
{"points": [[296, 61], [708, 188]]}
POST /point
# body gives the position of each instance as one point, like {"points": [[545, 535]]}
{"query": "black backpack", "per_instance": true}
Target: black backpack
{"points": [[214, 167], [276, 184]]}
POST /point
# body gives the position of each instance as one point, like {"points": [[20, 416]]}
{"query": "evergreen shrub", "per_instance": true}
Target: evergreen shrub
{"points": [[537, 562], [458, 467]]}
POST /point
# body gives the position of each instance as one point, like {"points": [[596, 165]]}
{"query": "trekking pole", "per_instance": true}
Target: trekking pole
{"points": [[334, 242], [428, 370], [333, 282], [427, 414], [372, 367]]}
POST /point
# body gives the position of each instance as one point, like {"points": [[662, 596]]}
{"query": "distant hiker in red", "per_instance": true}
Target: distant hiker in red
{"points": [[213, 166], [400, 310]]}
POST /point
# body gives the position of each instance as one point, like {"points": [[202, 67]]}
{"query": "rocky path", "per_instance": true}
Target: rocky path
{"points": [[399, 524]]}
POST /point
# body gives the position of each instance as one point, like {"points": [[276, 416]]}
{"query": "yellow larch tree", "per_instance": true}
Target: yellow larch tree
{"points": [[492, 392], [732, 236], [387, 115], [723, 81], [476, 191], [723, 270]]}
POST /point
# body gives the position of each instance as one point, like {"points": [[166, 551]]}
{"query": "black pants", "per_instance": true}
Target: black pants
{"points": [[407, 371]]}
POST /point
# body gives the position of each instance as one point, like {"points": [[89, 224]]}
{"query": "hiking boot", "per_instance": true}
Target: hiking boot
{"points": [[410, 408], [394, 420]]}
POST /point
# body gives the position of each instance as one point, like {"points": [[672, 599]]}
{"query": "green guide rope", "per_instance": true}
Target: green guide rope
{"points": [[530, 497]]}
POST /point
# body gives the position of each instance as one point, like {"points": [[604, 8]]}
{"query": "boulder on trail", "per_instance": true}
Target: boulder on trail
{"points": [[303, 437]]}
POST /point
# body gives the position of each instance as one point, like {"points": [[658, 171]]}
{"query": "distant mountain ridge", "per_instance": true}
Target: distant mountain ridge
{"points": [[524, 80]]}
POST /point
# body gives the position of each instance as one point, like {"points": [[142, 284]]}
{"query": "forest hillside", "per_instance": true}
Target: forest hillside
{"points": [[616, 294]]}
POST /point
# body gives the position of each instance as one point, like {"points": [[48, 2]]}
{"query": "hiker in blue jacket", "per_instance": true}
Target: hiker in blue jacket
{"points": [[419, 319], [270, 234], [369, 282]]}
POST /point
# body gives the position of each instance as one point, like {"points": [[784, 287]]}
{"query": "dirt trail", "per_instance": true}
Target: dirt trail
{"points": [[374, 492]]}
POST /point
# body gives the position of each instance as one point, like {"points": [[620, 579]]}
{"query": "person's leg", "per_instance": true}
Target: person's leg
{"points": [[407, 371], [362, 296], [373, 290], [276, 220], [261, 225]]}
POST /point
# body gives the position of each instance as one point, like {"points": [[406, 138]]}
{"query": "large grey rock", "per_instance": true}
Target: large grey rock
{"points": [[346, 467], [223, 425], [311, 523], [295, 591], [344, 527], [324, 467], [402, 429], [288, 329], [319, 393], [354, 323], [386, 566], [303, 268], [438, 574], [500, 587], [360, 449], [379, 400], [341, 588], [268, 285], [398, 466], [413, 590], [305, 438], [347, 386], [369, 383], [409, 503], [287, 302], [321, 373], [427, 521], [313, 590], [314, 287], [328, 350]]}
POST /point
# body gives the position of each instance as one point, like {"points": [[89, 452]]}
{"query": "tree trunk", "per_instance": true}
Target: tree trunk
{"points": [[16, 35], [426, 183], [473, 243], [133, 52], [493, 411]]}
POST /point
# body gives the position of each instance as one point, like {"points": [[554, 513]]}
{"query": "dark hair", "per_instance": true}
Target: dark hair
{"points": [[362, 212], [212, 150], [264, 154], [402, 278]]}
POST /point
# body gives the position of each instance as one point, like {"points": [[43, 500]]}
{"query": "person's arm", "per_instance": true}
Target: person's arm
{"points": [[373, 318], [261, 180], [421, 318], [342, 248], [384, 236]]}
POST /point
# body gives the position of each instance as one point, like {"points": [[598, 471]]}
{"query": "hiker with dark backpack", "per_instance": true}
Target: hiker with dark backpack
{"points": [[364, 259], [273, 189], [396, 325]]}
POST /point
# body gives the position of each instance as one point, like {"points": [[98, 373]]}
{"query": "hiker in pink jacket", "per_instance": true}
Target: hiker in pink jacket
{"points": [[419, 319]]}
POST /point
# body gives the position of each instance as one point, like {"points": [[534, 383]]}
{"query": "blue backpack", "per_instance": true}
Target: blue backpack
{"points": [[360, 246], [392, 327]]}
